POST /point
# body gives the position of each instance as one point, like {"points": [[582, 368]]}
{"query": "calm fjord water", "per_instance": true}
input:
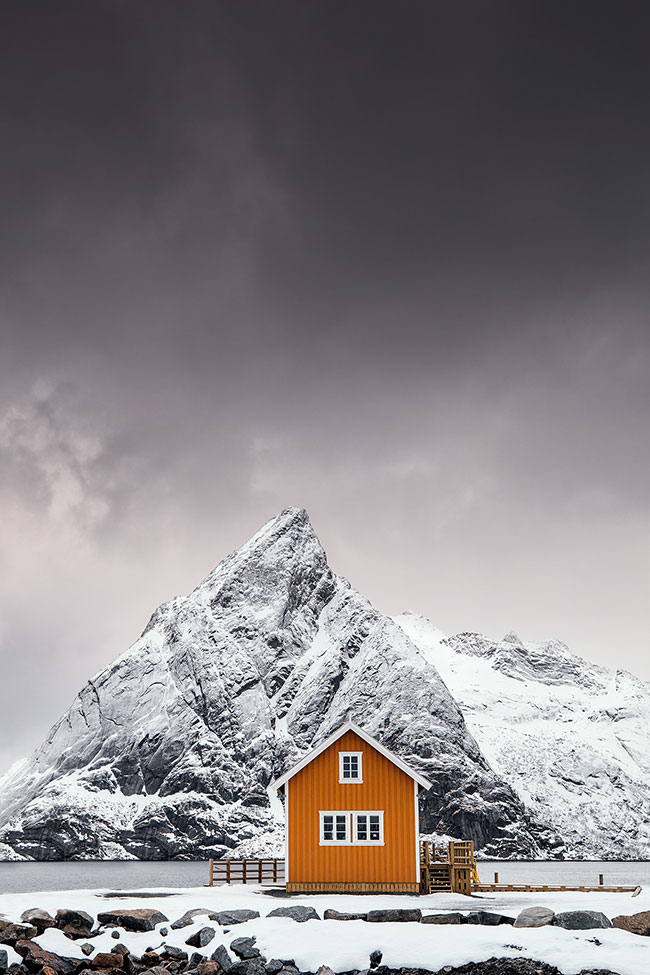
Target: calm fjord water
{"points": [[141, 875]]}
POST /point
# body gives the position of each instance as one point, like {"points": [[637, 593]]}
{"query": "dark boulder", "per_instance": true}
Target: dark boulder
{"points": [[581, 920], [186, 919], [138, 919], [201, 938], [220, 955], [225, 918], [453, 917], [74, 923], [177, 954], [87, 948], [331, 915], [11, 933], [485, 917], [395, 914], [36, 958], [375, 958], [298, 913], [40, 919], [273, 966], [245, 948], [4, 960]]}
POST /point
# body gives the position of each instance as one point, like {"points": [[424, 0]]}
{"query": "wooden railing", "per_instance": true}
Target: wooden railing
{"points": [[227, 871]]}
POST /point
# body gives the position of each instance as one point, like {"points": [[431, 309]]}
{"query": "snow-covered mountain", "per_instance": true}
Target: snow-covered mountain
{"points": [[572, 738], [168, 751]]}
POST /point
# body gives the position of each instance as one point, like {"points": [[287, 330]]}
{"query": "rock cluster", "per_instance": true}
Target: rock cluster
{"points": [[243, 956]]}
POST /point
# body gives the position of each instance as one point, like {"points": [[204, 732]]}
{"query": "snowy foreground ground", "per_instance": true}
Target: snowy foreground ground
{"points": [[346, 945]]}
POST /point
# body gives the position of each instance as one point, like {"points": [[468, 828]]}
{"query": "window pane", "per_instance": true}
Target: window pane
{"points": [[374, 828], [341, 827], [328, 827], [362, 828]]}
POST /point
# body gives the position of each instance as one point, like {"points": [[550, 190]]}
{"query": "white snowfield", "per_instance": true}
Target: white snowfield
{"points": [[569, 736], [346, 945]]}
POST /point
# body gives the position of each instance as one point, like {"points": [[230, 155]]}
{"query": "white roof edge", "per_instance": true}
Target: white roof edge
{"points": [[349, 726]]}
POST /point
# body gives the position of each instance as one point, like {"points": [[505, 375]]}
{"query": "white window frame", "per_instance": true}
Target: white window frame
{"points": [[355, 828], [359, 756], [350, 827], [334, 842]]}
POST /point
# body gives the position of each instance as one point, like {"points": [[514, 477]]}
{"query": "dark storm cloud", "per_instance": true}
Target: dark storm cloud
{"points": [[388, 261]]}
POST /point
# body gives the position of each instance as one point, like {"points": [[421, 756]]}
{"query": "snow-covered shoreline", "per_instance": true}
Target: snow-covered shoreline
{"points": [[345, 946]]}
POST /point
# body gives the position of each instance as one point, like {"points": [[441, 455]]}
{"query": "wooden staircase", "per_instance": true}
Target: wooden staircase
{"points": [[450, 868]]}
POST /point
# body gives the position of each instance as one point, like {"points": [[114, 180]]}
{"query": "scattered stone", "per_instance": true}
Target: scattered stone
{"points": [[375, 958], [534, 917], [11, 933], [325, 970], [151, 958], [245, 948], [36, 958], [208, 967], [195, 959], [42, 920], [121, 950], [176, 953], [201, 938], [163, 932], [87, 948], [273, 966], [4, 960], [137, 919], [158, 970], [331, 915], [298, 913], [74, 923], [395, 914], [485, 917], [107, 959], [634, 923], [248, 966], [453, 917], [233, 917], [188, 917], [581, 920], [221, 956], [115, 935]]}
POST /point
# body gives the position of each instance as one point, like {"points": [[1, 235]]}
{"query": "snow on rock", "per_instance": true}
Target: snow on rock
{"points": [[571, 737], [168, 752]]}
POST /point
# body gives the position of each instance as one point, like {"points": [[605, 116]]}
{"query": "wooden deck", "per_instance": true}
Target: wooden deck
{"points": [[444, 868]]}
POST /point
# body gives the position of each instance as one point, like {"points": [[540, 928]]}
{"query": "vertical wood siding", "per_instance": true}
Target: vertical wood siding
{"points": [[316, 787]]}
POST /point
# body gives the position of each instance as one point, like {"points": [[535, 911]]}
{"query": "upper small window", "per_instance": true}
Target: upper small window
{"points": [[350, 767]]}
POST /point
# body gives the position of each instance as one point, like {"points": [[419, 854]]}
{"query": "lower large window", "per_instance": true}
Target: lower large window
{"points": [[352, 828]]}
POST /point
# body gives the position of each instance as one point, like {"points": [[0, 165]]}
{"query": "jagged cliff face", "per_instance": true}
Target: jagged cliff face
{"points": [[572, 738], [167, 752]]}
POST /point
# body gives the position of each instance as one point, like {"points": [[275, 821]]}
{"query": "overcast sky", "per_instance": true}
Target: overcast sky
{"points": [[386, 261]]}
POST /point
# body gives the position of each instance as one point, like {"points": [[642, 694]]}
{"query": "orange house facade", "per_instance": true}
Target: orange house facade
{"points": [[351, 814]]}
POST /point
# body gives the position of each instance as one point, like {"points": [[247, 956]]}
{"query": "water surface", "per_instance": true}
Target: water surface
{"points": [[150, 875]]}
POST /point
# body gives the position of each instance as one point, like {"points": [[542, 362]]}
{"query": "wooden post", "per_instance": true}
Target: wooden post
{"points": [[601, 879], [228, 870], [243, 871], [496, 877], [275, 871], [259, 871], [211, 872]]}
